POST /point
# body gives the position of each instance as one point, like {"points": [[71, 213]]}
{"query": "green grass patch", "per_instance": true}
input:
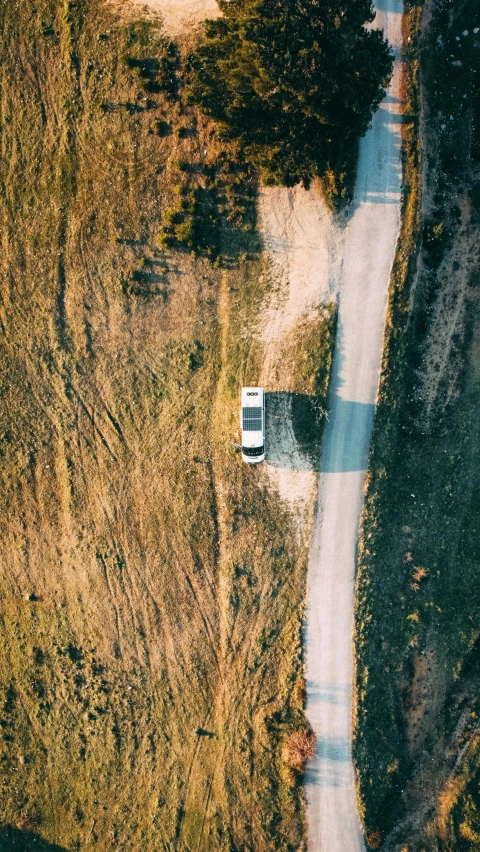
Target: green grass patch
{"points": [[309, 355], [214, 213]]}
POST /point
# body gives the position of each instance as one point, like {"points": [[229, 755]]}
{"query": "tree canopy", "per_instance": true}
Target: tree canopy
{"points": [[295, 82]]}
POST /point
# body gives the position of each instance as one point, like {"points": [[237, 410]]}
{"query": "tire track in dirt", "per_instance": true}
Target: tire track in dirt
{"points": [[106, 577], [217, 655], [94, 280], [64, 399], [205, 620], [169, 645], [182, 808], [210, 783]]}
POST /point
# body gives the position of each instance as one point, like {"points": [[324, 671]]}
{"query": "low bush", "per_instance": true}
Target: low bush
{"points": [[300, 747]]}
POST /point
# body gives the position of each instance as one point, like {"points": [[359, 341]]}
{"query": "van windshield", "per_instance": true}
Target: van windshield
{"points": [[253, 451]]}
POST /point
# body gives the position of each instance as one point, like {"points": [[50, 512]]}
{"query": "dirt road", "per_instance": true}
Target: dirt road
{"points": [[368, 249]]}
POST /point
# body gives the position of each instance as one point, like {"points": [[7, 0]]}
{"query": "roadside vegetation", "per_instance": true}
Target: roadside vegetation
{"points": [[151, 687], [302, 376], [416, 741], [293, 85], [308, 354], [214, 212]]}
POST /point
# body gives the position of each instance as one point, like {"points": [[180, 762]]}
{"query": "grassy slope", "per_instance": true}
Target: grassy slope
{"points": [[417, 614], [151, 591]]}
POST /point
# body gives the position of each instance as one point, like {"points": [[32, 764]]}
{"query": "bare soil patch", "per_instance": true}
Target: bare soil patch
{"points": [[176, 16], [301, 243]]}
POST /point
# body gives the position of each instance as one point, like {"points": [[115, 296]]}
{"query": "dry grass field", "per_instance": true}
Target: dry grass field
{"points": [[150, 588]]}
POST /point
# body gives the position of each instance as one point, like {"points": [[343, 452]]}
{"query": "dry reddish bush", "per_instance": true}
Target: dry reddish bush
{"points": [[420, 573], [300, 747], [374, 839]]}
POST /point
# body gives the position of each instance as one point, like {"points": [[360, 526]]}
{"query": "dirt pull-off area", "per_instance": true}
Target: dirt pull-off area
{"points": [[302, 247], [177, 16]]}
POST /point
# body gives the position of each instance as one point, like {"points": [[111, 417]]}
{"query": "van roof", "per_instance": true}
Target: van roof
{"points": [[252, 397]]}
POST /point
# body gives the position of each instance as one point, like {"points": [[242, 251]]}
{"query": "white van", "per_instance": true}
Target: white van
{"points": [[252, 424]]}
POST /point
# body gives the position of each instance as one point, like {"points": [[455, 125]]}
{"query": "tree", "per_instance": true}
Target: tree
{"points": [[294, 82]]}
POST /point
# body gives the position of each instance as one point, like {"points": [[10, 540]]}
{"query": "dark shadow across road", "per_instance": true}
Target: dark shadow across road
{"points": [[348, 449], [333, 767]]}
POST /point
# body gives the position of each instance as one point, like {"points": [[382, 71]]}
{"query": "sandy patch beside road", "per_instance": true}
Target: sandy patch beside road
{"points": [[301, 242], [177, 15], [303, 248]]}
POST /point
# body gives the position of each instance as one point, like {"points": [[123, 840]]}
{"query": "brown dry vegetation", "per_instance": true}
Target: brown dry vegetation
{"points": [[300, 746], [417, 612], [305, 360], [150, 590]]}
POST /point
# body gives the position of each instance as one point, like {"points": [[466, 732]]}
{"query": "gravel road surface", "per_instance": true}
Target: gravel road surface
{"points": [[368, 248]]}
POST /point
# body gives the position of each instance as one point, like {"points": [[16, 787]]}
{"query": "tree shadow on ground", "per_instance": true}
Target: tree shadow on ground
{"points": [[15, 840]]}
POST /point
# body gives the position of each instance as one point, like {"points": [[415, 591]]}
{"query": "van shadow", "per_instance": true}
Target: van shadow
{"points": [[293, 430], [347, 437], [346, 442], [14, 840]]}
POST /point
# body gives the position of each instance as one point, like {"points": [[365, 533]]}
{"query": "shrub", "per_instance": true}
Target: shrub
{"points": [[299, 747], [160, 128], [185, 231], [172, 217], [374, 839], [164, 240], [180, 165]]}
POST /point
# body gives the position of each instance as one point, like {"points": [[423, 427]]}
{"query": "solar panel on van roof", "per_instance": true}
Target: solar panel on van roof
{"points": [[252, 419]]}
